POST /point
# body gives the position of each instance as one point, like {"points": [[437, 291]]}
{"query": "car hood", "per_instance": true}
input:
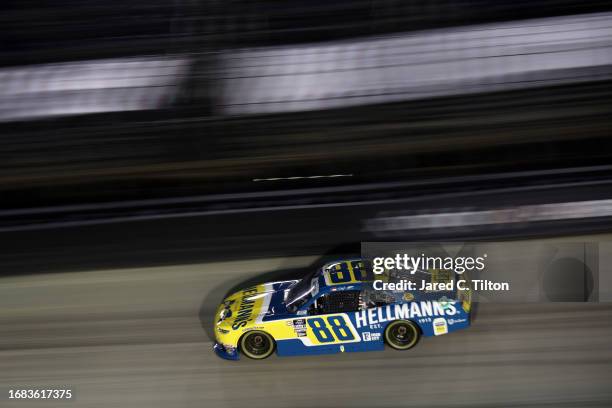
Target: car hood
{"points": [[253, 305]]}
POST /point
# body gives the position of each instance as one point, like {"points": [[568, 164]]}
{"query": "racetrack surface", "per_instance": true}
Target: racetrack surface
{"points": [[141, 337]]}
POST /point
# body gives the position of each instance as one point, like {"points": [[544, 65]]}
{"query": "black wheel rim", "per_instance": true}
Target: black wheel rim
{"points": [[401, 334], [257, 344]]}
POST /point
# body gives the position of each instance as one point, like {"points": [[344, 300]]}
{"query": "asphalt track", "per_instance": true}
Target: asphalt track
{"points": [[141, 337], [122, 314]]}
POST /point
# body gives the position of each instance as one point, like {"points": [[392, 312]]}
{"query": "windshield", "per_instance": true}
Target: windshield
{"points": [[303, 291]]}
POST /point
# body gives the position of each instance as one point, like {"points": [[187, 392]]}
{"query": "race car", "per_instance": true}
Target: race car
{"points": [[333, 309]]}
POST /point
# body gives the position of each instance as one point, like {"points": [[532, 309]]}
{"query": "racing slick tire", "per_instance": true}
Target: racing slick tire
{"points": [[257, 345], [402, 334]]}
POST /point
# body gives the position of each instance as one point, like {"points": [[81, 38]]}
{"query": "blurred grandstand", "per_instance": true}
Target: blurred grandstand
{"points": [[110, 100]]}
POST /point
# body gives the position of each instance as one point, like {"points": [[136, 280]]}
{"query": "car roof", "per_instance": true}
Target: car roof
{"points": [[346, 274]]}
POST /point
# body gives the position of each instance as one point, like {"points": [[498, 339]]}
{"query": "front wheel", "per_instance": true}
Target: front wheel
{"points": [[257, 345], [402, 334]]}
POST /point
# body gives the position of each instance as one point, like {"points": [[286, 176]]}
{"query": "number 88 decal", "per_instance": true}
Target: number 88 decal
{"points": [[344, 273], [330, 329]]}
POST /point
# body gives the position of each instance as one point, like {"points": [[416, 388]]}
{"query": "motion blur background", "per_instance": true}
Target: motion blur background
{"points": [[156, 154]]}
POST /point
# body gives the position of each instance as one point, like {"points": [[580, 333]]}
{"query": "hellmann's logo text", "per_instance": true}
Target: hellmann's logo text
{"points": [[246, 308], [404, 311]]}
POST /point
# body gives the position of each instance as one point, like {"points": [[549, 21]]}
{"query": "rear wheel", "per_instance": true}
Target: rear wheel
{"points": [[257, 345], [402, 334]]}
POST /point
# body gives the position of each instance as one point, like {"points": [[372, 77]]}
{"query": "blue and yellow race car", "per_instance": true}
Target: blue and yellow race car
{"points": [[333, 309]]}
